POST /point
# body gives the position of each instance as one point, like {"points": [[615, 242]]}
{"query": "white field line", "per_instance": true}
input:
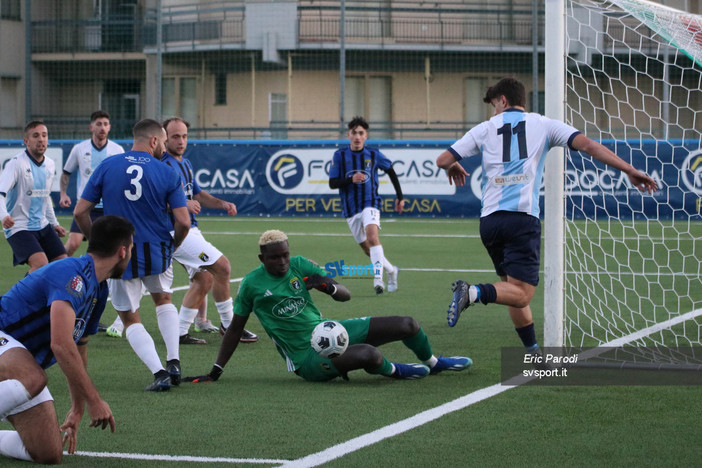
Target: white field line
{"points": [[340, 234], [394, 429], [427, 236], [427, 416], [176, 458]]}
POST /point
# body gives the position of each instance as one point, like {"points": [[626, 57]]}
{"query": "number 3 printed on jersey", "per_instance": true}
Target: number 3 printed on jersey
{"points": [[137, 172]]}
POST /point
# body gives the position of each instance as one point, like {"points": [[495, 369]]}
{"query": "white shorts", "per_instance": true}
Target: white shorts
{"points": [[7, 342], [195, 252], [126, 294], [358, 222]]}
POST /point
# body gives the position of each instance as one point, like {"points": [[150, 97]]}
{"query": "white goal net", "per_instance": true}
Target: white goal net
{"points": [[632, 261]]}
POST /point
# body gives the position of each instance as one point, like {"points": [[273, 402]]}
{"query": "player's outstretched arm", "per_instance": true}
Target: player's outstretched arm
{"points": [[641, 180], [226, 349], [209, 201], [456, 174]]}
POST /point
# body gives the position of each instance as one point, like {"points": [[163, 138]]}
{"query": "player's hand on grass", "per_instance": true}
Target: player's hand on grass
{"points": [[70, 431], [213, 376]]}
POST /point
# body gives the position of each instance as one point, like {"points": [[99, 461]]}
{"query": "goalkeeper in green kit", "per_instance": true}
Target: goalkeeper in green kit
{"points": [[278, 293]]}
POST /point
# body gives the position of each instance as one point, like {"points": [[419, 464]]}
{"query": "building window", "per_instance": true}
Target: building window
{"points": [[278, 115], [220, 89], [9, 117], [371, 98], [475, 109], [179, 98], [10, 10]]}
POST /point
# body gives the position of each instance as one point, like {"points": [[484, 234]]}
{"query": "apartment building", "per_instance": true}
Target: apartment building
{"points": [[267, 69]]}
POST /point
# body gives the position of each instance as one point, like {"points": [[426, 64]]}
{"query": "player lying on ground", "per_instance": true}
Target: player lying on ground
{"points": [[46, 318], [277, 292]]}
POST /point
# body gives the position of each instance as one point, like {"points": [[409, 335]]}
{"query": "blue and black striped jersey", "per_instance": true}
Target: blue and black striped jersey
{"points": [[356, 197], [25, 310]]}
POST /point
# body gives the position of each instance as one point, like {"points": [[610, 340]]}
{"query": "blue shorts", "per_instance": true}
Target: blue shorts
{"points": [[26, 243], [513, 241], [316, 368], [94, 214]]}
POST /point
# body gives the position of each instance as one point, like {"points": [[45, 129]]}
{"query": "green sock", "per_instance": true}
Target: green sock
{"points": [[384, 369], [419, 344]]}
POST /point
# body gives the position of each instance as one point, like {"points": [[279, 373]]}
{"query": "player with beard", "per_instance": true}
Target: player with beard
{"points": [[26, 209], [46, 318], [207, 267], [137, 186], [85, 157]]}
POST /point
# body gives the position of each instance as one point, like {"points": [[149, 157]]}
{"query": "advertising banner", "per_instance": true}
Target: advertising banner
{"points": [[291, 178]]}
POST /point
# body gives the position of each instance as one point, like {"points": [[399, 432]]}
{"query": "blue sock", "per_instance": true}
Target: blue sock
{"points": [[528, 337], [486, 293]]}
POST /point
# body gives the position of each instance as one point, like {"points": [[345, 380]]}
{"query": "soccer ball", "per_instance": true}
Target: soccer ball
{"points": [[330, 339]]}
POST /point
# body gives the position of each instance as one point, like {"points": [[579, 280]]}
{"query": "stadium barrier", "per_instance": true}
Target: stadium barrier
{"points": [[290, 178]]}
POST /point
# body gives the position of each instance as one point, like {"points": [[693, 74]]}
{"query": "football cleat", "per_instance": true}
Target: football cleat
{"points": [[114, 331], [205, 327], [173, 368], [409, 371], [456, 363], [248, 337], [459, 303], [187, 339], [379, 289], [392, 279], [161, 383]]}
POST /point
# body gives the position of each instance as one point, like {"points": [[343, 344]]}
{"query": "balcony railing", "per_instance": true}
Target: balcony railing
{"points": [[227, 26]]}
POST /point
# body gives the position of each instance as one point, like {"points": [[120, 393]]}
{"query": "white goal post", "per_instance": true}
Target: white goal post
{"points": [[622, 267]]}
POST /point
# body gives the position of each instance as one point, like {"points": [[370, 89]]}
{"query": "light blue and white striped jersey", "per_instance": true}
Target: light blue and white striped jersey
{"points": [[513, 144], [27, 189], [85, 157]]}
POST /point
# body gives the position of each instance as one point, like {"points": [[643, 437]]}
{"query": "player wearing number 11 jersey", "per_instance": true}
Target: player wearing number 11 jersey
{"points": [[137, 186], [514, 145]]}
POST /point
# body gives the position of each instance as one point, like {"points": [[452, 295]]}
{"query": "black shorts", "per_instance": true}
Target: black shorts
{"points": [[513, 241], [94, 214], [26, 243]]}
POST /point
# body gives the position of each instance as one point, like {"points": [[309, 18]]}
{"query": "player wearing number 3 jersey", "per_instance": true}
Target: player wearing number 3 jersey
{"points": [[514, 145], [137, 186]]}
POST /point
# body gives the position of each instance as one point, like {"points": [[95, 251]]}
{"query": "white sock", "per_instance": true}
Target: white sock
{"points": [[186, 318], [431, 362], [11, 446], [226, 312], [12, 394], [378, 260], [167, 316], [144, 347]]}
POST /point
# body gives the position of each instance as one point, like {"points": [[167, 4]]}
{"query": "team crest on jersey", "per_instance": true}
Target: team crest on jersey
{"points": [[368, 163], [29, 193], [325, 365], [3, 341], [76, 285], [78, 328], [295, 284], [203, 257]]}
